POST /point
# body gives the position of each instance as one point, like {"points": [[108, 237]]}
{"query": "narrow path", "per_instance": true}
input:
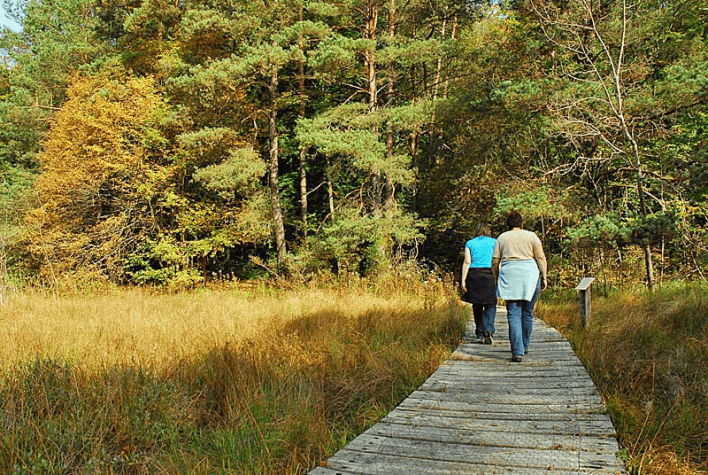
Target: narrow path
{"points": [[479, 413]]}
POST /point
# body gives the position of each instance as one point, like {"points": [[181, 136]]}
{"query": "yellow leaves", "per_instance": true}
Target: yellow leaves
{"points": [[95, 157], [96, 135], [112, 185]]}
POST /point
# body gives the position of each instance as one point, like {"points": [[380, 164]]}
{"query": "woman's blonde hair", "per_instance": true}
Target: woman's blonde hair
{"points": [[482, 230]]}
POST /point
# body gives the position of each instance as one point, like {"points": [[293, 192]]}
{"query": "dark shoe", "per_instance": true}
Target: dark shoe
{"points": [[517, 359], [526, 351], [488, 340]]}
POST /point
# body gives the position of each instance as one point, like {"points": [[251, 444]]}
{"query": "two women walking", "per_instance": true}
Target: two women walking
{"points": [[519, 271]]}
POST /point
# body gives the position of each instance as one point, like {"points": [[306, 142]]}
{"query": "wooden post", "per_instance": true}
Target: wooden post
{"points": [[4, 279], [585, 287]]}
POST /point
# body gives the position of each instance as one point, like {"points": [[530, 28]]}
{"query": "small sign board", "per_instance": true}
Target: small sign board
{"points": [[585, 283]]}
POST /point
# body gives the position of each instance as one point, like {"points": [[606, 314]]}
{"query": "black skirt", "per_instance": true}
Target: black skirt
{"points": [[481, 286]]}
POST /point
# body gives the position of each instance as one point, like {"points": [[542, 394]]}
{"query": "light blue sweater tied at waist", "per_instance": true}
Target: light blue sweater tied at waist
{"points": [[518, 279]]}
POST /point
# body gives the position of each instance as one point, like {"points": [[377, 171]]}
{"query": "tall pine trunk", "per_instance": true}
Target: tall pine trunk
{"points": [[303, 150], [389, 185], [372, 18], [278, 226]]}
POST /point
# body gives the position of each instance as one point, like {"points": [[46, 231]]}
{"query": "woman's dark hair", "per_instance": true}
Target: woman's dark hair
{"points": [[514, 220], [482, 230]]}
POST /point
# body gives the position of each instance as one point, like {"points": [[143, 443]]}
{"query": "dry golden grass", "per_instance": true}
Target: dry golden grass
{"points": [[665, 461], [647, 354], [259, 382], [153, 330]]}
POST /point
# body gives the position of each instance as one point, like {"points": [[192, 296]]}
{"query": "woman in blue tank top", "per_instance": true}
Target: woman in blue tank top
{"points": [[478, 283]]}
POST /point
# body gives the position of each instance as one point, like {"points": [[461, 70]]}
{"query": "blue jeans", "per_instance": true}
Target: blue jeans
{"points": [[484, 315], [520, 317]]}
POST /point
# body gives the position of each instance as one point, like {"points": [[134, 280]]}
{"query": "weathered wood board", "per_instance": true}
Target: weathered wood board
{"points": [[479, 413]]}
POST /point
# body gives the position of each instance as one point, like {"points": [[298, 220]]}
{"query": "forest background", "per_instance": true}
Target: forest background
{"points": [[173, 143], [167, 145]]}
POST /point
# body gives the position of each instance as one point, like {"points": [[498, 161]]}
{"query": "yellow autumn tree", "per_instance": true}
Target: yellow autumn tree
{"points": [[96, 161], [128, 192]]}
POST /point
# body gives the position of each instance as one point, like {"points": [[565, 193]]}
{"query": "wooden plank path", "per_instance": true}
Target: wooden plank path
{"points": [[479, 413]]}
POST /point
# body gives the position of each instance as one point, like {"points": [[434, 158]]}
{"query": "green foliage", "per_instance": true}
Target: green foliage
{"points": [[513, 91], [630, 228], [450, 115], [15, 195], [350, 134], [235, 176], [654, 228], [346, 131], [350, 242], [534, 205], [55, 40], [606, 228]]}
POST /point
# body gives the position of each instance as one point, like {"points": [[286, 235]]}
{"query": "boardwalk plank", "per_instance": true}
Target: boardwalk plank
{"points": [[519, 408], [361, 463], [580, 386], [329, 471], [510, 437], [527, 369], [591, 417], [502, 397], [481, 414], [451, 469], [556, 424], [505, 455]]}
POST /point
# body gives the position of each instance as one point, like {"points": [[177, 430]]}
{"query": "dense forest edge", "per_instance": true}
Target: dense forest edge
{"points": [[174, 144], [199, 148]]}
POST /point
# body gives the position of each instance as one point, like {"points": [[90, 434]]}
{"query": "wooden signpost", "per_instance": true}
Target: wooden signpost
{"points": [[584, 287]]}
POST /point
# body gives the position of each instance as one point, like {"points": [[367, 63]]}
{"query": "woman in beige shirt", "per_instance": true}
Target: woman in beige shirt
{"points": [[520, 268]]}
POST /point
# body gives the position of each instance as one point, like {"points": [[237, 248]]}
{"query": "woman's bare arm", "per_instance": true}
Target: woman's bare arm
{"points": [[465, 268]]}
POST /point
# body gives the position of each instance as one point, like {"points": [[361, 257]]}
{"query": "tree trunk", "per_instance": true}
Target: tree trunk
{"points": [[303, 150], [330, 187], [617, 68], [390, 186], [642, 201], [434, 134], [647, 247], [303, 192], [4, 280], [278, 227], [372, 88]]}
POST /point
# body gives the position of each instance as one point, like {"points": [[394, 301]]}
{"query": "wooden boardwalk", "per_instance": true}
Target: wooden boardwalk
{"points": [[479, 413]]}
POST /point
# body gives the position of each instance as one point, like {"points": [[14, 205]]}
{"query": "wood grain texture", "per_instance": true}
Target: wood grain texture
{"points": [[479, 413]]}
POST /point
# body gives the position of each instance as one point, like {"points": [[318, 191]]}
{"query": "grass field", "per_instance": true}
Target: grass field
{"points": [[155, 330], [648, 355], [259, 381], [238, 382]]}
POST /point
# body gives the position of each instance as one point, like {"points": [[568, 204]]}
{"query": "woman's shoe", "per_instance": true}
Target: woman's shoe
{"points": [[517, 358]]}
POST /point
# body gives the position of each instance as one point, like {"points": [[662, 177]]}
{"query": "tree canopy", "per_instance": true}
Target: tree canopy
{"points": [[172, 142]]}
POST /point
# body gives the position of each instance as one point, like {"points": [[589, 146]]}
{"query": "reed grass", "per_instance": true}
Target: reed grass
{"points": [[240, 382], [647, 354]]}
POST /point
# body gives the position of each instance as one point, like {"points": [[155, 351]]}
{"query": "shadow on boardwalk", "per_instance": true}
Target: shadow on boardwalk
{"points": [[479, 413]]}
